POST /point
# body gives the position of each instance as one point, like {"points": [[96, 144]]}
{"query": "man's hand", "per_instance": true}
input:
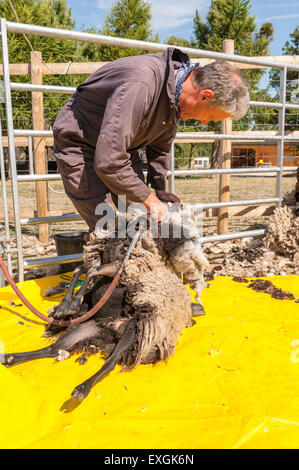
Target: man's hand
{"points": [[168, 197], [157, 209]]}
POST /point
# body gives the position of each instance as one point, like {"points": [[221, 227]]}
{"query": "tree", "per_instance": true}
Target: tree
{"points": [[231, 19], [179, 42], [127, 19], [52, 13]]}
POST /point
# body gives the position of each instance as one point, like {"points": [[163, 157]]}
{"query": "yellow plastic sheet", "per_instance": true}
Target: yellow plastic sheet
{"points": [[232, 383]]}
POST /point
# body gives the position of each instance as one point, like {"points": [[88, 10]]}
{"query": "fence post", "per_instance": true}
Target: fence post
{"points": [[225, 158], [38, 143]]}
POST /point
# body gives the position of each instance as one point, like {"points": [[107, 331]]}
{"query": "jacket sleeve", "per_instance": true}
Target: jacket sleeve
{"points": [[124, 112], [158, 159]]}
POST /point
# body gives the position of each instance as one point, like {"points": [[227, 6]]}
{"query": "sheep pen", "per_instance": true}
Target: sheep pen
{"points": [[144, 317]]}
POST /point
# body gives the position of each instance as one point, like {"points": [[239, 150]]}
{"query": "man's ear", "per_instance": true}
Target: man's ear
{"points": [[206, 95]]}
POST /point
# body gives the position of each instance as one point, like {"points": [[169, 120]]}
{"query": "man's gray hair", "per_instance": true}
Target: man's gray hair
{"points": [[229, 86]]}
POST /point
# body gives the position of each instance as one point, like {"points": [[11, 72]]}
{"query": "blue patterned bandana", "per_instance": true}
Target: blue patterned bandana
{"points": [[180, 77]]}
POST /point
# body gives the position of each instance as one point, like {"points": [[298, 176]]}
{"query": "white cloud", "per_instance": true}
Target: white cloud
{"points": [[170, 14], [105, 4], [166, 14]]}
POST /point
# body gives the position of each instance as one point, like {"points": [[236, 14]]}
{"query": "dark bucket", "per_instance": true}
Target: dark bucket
{"points": [[68, 243]]}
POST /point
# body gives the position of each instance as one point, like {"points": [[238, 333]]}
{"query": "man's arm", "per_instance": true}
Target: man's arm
{"points": [[123, 115], [158, 159]]}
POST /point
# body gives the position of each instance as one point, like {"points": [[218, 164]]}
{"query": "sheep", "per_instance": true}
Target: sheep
{"points": [[144, 317]]}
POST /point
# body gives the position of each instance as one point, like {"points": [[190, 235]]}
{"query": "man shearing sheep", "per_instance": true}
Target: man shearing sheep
{"points": [[132, 103]]}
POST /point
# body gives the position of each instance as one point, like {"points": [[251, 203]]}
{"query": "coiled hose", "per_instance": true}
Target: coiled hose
{"points": [[87, 315]]}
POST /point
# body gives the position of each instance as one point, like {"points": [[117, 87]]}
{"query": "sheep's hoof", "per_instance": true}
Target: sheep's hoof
{"points": [[81, 391], [7, 359], [197, 310], [51, 330]]}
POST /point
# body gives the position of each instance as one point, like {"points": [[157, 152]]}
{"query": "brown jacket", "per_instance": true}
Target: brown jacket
{"points": [[127, 104]]}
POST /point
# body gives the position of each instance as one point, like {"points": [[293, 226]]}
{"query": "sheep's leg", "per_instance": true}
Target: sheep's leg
{"points": [[62, 308], [82, 390], [73, 304], [60, 311], [96, 271], [60, 349]]}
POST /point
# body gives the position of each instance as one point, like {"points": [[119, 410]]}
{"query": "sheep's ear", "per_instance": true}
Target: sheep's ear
{"points": [[197, 310]]}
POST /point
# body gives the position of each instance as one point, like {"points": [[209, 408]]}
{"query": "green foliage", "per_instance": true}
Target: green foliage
{"points": [[179, 42], [128, 19], [51, 13]]}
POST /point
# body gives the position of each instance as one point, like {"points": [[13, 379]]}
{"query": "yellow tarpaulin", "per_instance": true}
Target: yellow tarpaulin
{"points": [[232, 382]]}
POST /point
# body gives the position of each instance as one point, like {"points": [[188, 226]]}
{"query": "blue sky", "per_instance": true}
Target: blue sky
{"points": [[175, 17]]}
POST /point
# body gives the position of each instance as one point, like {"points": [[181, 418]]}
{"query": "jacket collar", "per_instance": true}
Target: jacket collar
{"points": [[172, 56]]}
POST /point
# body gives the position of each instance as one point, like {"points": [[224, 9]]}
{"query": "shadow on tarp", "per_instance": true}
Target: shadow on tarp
{"points": [[232, 382]]}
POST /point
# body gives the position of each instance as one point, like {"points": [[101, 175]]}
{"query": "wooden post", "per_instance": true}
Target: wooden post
{"points": [[225, 158], [40, 166]]}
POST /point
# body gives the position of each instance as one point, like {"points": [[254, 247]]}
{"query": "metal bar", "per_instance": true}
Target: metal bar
{"points": [[30, 154], [281, 124], [289, 138], [136, 44], [12, 154], [171, 176], [51, 219], [202, 136], [179, 136], [71, 90], [290, 168], [232, 171], [269, 104], [76, 217], [43, 88], [216, 171], [32, 133], [31, 264], [250, 202], [291, 106], [37, 263], [2, 277], [46, 177], [233, 236], [5, 205]]}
